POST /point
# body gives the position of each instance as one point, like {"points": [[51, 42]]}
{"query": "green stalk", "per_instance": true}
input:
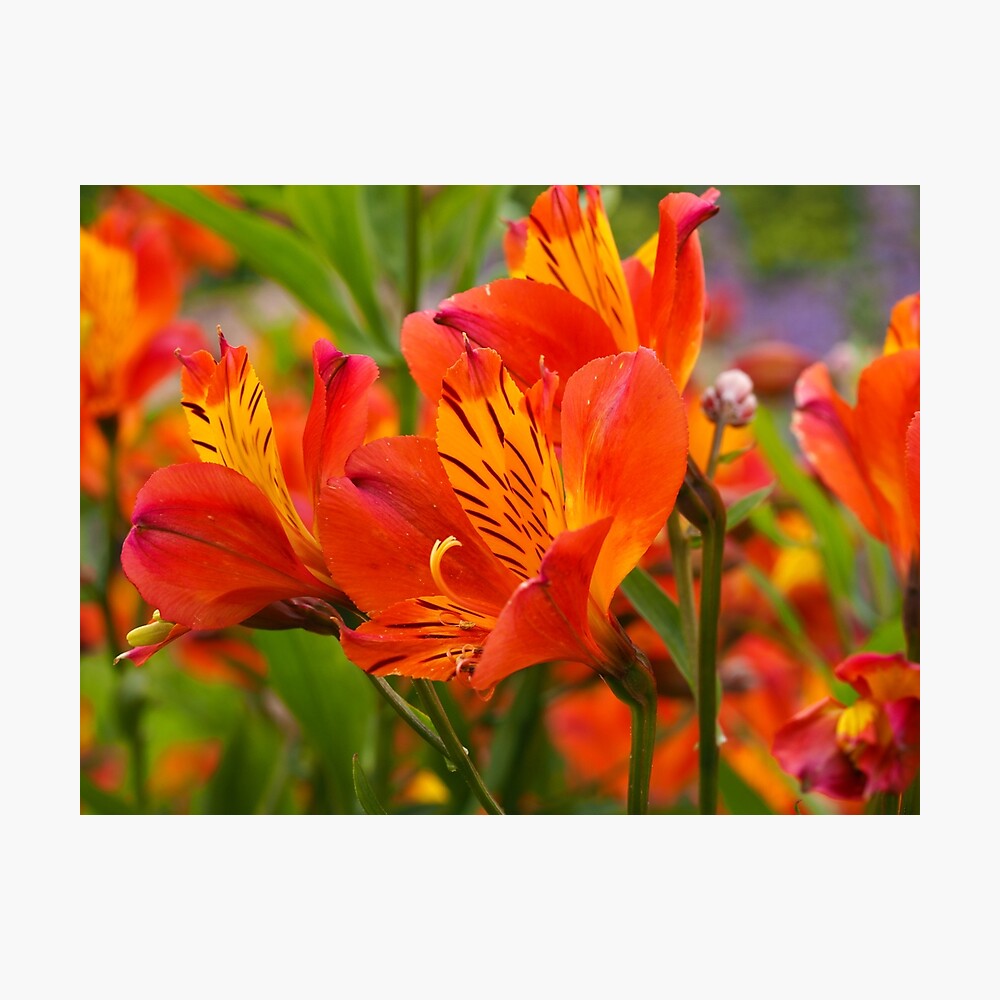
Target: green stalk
{"points": [[638, 690], [911, 611], [713, 458], [680, 555], [701, 504], [454, 750], [406, 713]]}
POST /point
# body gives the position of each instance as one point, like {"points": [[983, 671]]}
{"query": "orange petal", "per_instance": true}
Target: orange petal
{"points": [[207, 549], [625, 442], [576, 250], [230, 425], [677, 307], [823, 424], [548, 617], [904, 325], [499, 458], [396, 498], [430, 637], [913, 473], [888, 397]]}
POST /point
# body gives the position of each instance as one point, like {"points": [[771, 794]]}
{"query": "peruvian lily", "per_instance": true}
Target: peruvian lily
{"points": [[480, 555], [220, 542], [871, 746], [567, 276], [868, 455]]}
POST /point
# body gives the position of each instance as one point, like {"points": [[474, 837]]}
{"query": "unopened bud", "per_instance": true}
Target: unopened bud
{"points": [[731, 400]]}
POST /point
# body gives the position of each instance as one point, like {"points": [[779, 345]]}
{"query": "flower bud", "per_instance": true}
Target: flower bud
{"points": [[731, 399]]}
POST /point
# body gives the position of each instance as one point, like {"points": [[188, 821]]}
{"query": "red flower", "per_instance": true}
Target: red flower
{"points": [[871, 746]]}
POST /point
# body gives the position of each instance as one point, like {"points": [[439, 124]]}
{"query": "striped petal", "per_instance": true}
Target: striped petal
{"points": [[230, 425], [625, 442], [430, 637], [378, 525], [498, 456], [208, 550], [574, 249]]}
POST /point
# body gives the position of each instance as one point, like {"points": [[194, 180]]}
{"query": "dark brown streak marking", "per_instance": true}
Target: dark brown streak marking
{"points": [[436, 656], [387, 661], [471, 497], [205, 444], [243, 387], [496, 422], [258, 392], [503, 392], [450, 391], [510, 503], [489, 468], [527, 488], [516, 525], [430, 605], [548, 252], [576, 253], [611, 285], [243, 367], [472, 475], [460, 413], [198, 411], [527, 468], [541, 228], [538, 448], [267, 440], [485, 517], [520, 496], [555, 274], [503, 538], [434, 624]]}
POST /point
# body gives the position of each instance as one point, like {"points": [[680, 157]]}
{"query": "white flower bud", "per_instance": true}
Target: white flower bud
{"points": [[731, 400]]}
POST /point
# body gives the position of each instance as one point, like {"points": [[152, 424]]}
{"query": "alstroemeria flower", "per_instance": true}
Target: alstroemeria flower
{"points": [[571, 298], [871, 746], [221, 542], [480, 555], [869, 454]]}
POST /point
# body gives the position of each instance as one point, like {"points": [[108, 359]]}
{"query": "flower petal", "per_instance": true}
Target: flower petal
{"points": [[338, 418], [904, 325], [625, 442], [576, 251], [548, 617], [521, 320], [430, 637], [207, 549], [378, 525], [500, 460], [230, 425]]}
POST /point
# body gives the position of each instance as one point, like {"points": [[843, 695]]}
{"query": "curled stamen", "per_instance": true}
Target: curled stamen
{"points": [[437, 552]]}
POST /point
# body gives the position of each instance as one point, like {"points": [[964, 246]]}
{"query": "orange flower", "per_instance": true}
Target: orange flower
{"points": [[481, 555], [869, 454], [571, 298]]}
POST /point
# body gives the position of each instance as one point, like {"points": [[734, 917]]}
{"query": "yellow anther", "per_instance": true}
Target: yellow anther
{"points": [[150, 634], [437, 553]]}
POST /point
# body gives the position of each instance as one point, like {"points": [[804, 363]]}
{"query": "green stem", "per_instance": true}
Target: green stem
{"points": [[638, 690], [713, 458], [701, 504], [455, 751], [680, 555], [911, 611], [411, 302], [406, 713]]}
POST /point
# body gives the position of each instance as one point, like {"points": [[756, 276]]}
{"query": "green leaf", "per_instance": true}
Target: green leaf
{"points": [[276, 252], [739, 798], [334, 217], [834, 540], [328, 695], [730, 456], [366, 795], [241, 781], [662, 613], [743, 507]]}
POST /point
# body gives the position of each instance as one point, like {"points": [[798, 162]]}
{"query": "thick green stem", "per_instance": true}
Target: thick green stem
{"points": [[701, 504], [713, 458], [406, 713], [638, 690], [456, 753]]}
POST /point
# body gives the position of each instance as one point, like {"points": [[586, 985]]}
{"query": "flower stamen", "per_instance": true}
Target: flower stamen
{"points": [[437, 553]]}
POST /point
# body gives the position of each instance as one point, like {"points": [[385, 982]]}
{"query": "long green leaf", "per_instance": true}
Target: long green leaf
{"points": [[366, 794], [662, 613], [743, 507], [330, 698], [739, 798], [333, 216], [276, 252]]}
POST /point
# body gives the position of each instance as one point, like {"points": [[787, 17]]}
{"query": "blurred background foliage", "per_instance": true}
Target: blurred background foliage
{"points": [[270, 722]]}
